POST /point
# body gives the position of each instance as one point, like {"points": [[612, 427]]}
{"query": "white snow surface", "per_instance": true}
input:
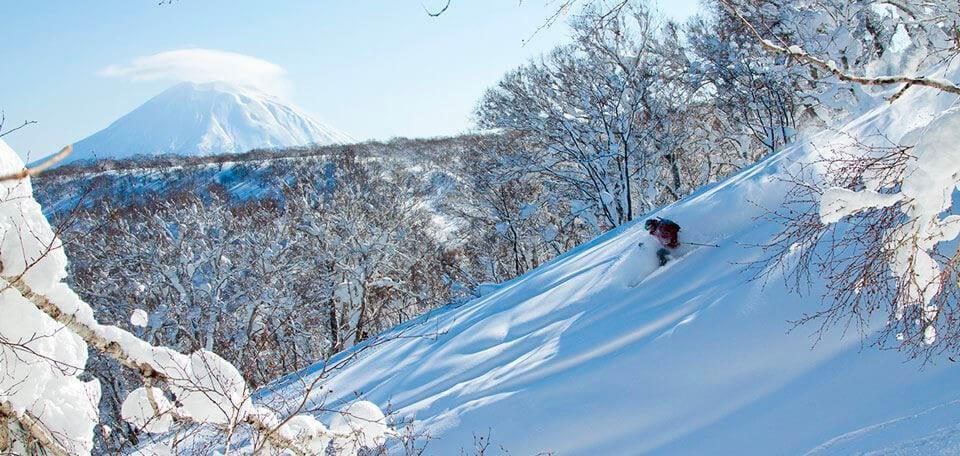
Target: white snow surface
{"points": [[41, 379], [139, 318], [137, 410], [599, 352], [206, 119]]}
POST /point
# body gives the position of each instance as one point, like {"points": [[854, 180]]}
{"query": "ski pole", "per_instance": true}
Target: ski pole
{"points": [[702, 245]]}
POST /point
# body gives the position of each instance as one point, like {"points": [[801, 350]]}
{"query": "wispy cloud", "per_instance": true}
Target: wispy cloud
{"points": [[205, 65]]}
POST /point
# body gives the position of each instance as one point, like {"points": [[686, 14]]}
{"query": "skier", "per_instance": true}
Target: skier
{"points": [[666, 232]]}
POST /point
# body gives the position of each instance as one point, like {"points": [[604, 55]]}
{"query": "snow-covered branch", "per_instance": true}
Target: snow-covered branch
{"points": [[92, 335], [798, 53]]}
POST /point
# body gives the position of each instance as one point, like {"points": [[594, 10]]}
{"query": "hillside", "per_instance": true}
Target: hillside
{"points": [[574, 228], [597, 352], [254, 174], [206, 119]]}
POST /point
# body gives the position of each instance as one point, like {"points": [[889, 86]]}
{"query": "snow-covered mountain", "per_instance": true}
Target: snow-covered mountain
{"points": [[598, 352], [206, 119]]}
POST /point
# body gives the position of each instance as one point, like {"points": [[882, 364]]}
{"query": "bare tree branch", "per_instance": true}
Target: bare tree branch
{"points": [[35, 428], [3, 118], [438, 13], [30, 172]]}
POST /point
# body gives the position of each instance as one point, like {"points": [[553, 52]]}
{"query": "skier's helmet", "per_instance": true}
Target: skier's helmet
{"points": [[650, 224]]}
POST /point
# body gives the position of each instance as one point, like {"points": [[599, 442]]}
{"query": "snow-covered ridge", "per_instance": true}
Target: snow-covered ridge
{"points": [[206, 119]]}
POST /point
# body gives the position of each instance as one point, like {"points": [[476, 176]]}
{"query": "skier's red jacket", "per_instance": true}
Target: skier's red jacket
{"points": [[665, 231]]}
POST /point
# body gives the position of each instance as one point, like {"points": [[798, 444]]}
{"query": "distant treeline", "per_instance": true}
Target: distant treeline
{"points": [[165, 161]]}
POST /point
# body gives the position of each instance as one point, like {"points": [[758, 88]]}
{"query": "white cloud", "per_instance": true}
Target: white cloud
{"points": [[205, 65]]}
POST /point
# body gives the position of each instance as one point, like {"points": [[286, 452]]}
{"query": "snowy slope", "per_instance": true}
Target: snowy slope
{"points": [[595, 353], [206, 119], [600, 353]]}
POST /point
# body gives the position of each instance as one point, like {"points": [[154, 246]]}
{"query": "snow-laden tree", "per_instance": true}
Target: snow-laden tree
{"points": [[191, 264], [624, 119], [876, 215], [848, 46], [757, 100], [513, 220], [207, 275], [585, 104], [49, 406], [368, 229]]}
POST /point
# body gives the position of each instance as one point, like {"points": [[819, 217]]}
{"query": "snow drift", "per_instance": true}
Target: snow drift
{"points": [[206, 119], [599, 352]]}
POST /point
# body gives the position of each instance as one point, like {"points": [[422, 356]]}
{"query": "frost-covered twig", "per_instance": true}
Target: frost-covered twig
{"points": [[801, 55]]}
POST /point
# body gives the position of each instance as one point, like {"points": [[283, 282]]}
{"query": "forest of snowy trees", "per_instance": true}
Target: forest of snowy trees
{"points": [[276, 260]]}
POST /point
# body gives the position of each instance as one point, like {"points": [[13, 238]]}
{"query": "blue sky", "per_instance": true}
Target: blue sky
{"points": [[375, 69]]}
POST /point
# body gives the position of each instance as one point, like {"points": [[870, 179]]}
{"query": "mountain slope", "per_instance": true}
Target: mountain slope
{"points": [[206, 119], [597, 352]]}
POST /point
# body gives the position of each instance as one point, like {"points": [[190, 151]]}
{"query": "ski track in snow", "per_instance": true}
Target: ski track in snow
{"points": [[918, 434]]}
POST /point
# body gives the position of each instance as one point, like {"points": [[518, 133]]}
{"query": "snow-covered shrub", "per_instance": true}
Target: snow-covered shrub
{"points": [[875, 215], [918, 237]]}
